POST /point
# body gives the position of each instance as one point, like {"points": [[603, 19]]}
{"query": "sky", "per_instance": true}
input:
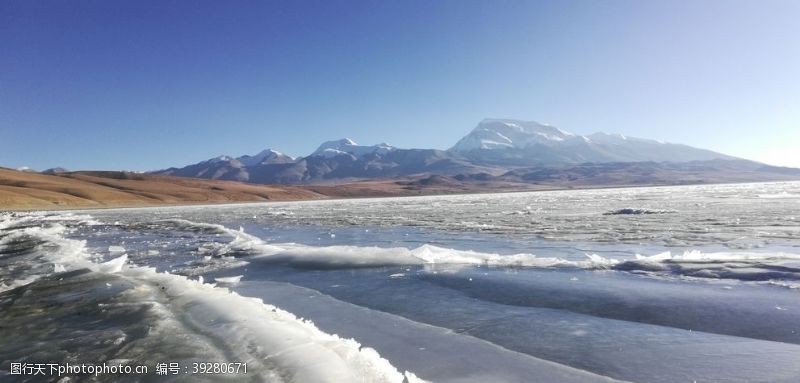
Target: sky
{"points": [[144, 85]]}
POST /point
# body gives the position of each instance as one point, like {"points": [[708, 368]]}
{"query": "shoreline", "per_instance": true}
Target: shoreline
{"points": [[82, 190], [333, 197]]}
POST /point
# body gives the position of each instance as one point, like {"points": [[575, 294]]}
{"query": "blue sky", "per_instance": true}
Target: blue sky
{"points": [[141, 85]]}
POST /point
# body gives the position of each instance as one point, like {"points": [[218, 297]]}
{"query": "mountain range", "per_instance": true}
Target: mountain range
{"points": [[494, 149], [498, 154]]}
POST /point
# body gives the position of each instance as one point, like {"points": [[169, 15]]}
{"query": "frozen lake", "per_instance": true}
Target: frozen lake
{"points": [[662, 284]]}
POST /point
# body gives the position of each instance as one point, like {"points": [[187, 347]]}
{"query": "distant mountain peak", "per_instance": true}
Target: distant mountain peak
{"points": [[517, 142], [266, 156], [519, 125], [346, 146], [220, 158], [56, 170], [335, 144], [498, 133]]}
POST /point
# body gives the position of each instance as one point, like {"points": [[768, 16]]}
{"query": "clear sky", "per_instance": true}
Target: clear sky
{"points": [[141, 85]]}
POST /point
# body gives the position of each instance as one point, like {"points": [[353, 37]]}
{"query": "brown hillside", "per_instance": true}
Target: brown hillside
{"points": [[27, 190]]}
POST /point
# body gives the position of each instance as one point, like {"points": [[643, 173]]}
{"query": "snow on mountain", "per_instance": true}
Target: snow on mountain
{"points": [[495, 146], [267, 156], [616, 139], [346, 146], [514, 142], [500, 134], [222, 158], [56, 170]]}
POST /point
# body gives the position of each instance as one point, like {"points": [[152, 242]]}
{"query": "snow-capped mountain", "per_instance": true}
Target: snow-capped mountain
{"points": [[220, 167], [267, 156], [492, 134], [228, 168], [217, 159], [525, 143], [56, 170], [346, 146]]}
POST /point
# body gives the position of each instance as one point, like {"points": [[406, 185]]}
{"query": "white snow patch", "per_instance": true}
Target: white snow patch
{"points": [[229, 280], [113, 266]]}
